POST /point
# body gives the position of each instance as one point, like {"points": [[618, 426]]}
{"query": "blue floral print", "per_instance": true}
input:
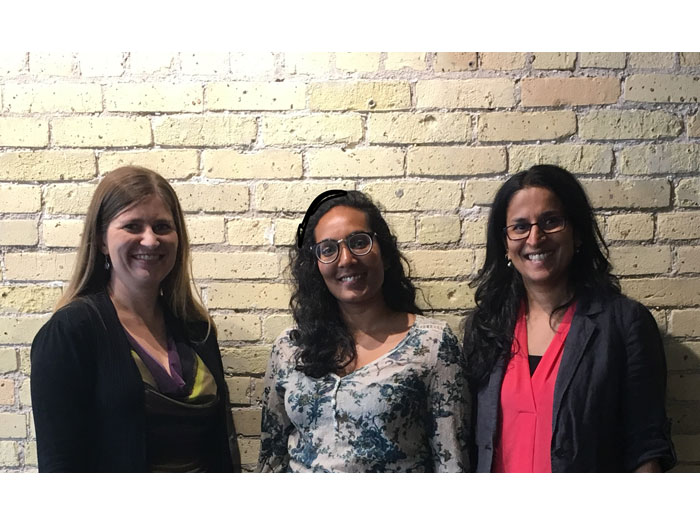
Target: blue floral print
{"points": [[407, 411]]}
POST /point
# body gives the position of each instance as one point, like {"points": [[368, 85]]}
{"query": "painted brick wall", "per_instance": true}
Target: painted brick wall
{"points": [[248, 139]]}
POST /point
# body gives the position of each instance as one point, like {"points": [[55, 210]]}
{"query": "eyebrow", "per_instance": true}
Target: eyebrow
{"points": [[348, 235]]}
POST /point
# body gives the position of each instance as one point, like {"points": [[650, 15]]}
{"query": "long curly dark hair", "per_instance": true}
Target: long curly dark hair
{"points": [[324, 341], [488, 335]]}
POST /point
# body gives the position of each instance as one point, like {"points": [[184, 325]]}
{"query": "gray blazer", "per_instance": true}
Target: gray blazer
{"points": [[609, 396]]}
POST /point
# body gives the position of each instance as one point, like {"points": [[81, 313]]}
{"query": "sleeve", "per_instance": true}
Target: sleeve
{"points": [[276, 425], [62, 390], [449, 408], [646, 427]]}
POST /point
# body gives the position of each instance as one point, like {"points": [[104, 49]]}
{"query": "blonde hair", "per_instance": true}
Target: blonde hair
{"points": [[119, 190]]}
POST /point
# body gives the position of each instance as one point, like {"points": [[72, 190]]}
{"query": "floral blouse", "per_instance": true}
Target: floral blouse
{"points": [[406, 411]]}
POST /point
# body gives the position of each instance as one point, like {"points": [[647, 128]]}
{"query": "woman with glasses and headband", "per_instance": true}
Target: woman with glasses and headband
{"points": [[364, 382], [568, 374]]}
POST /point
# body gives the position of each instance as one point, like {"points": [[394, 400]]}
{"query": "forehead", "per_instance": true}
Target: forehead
{"points": [[150, 207], [339, 222], [531, 202]]}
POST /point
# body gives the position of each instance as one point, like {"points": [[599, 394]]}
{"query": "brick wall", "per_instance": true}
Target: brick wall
{"points": [[248, 139]]}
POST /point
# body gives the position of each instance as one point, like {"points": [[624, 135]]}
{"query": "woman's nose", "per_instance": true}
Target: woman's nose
{"points": [[345, 256]]}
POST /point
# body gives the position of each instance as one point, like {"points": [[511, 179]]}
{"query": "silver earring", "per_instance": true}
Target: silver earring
{"points": [[509, 264], [107, 264]]}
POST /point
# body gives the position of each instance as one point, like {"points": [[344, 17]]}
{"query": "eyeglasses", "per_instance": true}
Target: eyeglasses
{"points": [[328, 250], [548, 224]]}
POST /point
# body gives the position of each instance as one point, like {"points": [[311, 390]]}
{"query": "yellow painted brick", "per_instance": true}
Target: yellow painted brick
{"points": [[47, 165], [247, 421], [249, 449], [286, 231], [19, 232], [151, 97], [360, 62], [239, 390], [264, 164], [447, 62], [628, 193], [439, 229], [307, 63], [516, 126], [101, 131], [7, 391], [212, 197], [396, 61], [37, 266], [70, 199], [172, 164], [281, 130], [402, 226], [9, 456], [292, 196], [355, 162], [682, 355], [415, 195], [615, 124], [455, 160], [24, 132], [52, 64], [580, 91], [662, 88], [502, 61], [30, 455], [554, 61], [652, 60], [694, 126], [471, 93], [25, 395], [250, 232], [664, 291], [454, 321], [684, 387], [629, 227], [480, 192], [252, 64], [24, 360], [62, 232], [258, 387], [101, 63], [19, 330], [8, 360], [685, 323], [688, 192], [207, 130], [678, 225], [640, 260], [660, 158], [690, 59], [19, 198], [251, 265], [155, 62], [240, 296], [246, 360], [204, 63], [434, 264], [13, 63], [49, 98], [274, 324], [408, 128], [688, 259], [237, 327], [205, 229], [602, 60], [362, 96], [445, 295], [255, 96], [576, 158], [475, 230]]}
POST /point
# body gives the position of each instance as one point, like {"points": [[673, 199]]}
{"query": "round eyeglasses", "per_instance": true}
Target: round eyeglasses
{"points": [[548, 224], [328, 250]]}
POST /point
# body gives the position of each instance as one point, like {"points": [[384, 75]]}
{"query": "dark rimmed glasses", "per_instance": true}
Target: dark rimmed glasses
{"points": [[328, 250], [548, 224]]}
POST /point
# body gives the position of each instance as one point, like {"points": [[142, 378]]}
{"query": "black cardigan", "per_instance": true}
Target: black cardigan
{"points": [[88, 395]]}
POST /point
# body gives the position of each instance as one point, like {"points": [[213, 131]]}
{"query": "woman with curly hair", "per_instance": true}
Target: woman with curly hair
{"points": [[568, 374], [364, 382]]}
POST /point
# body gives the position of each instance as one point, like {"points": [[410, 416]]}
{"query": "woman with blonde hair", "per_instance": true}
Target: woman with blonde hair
{"points": [[126, 376]]}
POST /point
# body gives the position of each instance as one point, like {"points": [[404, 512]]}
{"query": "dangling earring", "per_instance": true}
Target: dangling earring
{"points": [[509, 264], [107, 263]]}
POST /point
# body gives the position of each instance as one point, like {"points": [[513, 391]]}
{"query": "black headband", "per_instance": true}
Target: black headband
{"points": [[315, 205]]}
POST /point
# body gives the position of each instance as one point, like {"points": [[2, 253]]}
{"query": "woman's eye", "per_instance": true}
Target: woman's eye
{"points": [[520, 228], [162, 228], [327, 249], [359, 244]]}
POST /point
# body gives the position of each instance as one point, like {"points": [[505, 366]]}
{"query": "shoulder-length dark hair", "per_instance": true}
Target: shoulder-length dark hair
{"points": [[489, 334], [324, 341]]}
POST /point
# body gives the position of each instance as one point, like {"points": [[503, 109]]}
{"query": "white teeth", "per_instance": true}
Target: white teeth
{"points": [[349, 278], [145, 257], [538, 256]]}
